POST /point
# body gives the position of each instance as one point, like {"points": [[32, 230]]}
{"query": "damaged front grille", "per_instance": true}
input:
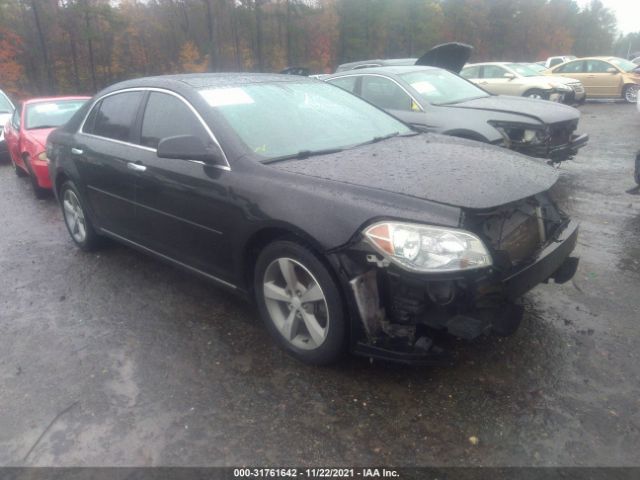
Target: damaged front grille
{"points": [[516, 232], [560, 133]]}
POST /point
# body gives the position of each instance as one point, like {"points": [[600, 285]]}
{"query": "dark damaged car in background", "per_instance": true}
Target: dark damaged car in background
{"points": [[428, 94], [349, 229]]}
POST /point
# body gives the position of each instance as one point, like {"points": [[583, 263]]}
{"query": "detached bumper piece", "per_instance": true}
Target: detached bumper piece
{"points": [[556, 151]]}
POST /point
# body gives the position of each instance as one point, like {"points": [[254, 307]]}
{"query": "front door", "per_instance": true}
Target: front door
{"points": [[184, 210]]}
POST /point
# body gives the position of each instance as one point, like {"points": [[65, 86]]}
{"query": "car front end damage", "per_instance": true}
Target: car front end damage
{"points": [[556, 142], [398, 311]]}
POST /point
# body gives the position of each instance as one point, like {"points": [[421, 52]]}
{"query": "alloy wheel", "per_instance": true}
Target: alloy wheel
{"points": [[296, 303], [631, 93], [74, 216]]}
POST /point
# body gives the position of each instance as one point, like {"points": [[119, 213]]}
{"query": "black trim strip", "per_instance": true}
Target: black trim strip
{"points": [[153, 209], [164, 257]]}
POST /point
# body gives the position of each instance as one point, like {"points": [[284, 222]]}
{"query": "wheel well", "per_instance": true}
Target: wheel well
{"points": [[260, 240], [60, 179]]}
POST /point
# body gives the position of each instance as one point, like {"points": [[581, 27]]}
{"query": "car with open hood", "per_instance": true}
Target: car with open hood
{"points": [[26, 135], [603, 77], [508, 78], [428, 94], [348, 228]]}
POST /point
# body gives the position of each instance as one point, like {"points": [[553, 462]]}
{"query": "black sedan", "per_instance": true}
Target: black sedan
{"points": [[348, 228], [436, 100]]}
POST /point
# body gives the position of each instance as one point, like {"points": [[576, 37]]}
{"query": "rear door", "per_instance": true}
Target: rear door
{"points": [[575, 69], [184, 208], [106, 153]]}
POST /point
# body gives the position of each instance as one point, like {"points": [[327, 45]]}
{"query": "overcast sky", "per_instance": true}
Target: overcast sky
{"points": [[627, 11]]}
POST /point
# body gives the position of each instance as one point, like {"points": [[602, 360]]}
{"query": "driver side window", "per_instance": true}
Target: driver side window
{"points": [[572, 67], [385, 93]]}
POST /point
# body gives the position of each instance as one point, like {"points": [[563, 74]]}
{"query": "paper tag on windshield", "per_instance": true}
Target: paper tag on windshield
{"points": [[220, 97], [423, 87]]}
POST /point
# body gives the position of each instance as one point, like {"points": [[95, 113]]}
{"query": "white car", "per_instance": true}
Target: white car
{"points": [[6, 110], [553, 61]]}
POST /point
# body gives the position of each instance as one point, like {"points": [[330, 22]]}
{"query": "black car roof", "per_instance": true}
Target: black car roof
{"points": [[205, 80]]}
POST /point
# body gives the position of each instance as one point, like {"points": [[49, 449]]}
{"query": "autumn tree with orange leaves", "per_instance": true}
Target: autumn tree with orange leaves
{"points": [[80, 46]]}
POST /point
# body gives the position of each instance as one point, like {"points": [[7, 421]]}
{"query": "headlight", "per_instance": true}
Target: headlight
{"points": [[43, 157], [422, 248]]}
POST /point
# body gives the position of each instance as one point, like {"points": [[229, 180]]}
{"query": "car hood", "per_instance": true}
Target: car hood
{"points": [[39, 135], [438, 168], [451, 56], [541, 110]]}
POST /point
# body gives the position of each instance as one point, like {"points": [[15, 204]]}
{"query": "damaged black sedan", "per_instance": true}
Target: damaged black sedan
{"points": [[349, 229]]}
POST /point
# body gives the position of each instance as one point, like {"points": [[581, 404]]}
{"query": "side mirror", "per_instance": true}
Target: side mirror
{"points": [[189, 147], [612, 70], [509, 76]]}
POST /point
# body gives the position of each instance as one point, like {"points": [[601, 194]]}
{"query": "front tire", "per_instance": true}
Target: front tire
{"points": [[637, 169], [534, 93], [630, 93], [76, 219], [300, 302]]}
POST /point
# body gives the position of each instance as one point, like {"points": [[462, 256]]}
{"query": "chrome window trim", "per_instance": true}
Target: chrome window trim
{"points": [[81, 131], [381, 76]]}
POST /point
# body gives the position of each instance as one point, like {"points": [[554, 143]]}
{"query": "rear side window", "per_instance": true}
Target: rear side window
{"points": [[385, 93], [168, 116], [346, 83], [114, 116], [571, 67]]}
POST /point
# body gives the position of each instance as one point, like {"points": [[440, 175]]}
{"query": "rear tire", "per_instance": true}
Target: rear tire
{"points": [[630, 93], [300, 302], [76, 219]]}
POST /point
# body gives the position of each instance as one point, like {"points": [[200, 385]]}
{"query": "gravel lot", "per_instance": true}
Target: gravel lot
{"points": [[137, 363]]}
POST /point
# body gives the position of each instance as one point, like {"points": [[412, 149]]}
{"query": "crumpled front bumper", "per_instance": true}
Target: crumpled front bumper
{"points": [[555, 153], [484, 303]]}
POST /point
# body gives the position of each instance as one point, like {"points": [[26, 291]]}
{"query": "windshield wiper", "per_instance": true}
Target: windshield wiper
{"points": [[302, 154], [385, 137]]}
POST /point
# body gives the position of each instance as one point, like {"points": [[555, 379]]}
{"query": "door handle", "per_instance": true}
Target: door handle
{"points": [[136, 167], [77, 151]]}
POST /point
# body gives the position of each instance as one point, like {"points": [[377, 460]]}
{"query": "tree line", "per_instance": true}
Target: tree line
{"points": [[80, 46]]}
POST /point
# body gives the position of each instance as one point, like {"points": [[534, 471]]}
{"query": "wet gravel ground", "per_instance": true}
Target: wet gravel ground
{"points": [[132, 362]]}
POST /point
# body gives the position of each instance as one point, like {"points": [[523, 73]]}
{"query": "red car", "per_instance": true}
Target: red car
{"points": [[26, 136]]}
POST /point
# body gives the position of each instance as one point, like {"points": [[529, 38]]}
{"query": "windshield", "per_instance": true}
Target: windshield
{"points": [[440, 87], [50, 114], [623, 64], [5, 104], [523, 70], [536, 66], [285, 118]]}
